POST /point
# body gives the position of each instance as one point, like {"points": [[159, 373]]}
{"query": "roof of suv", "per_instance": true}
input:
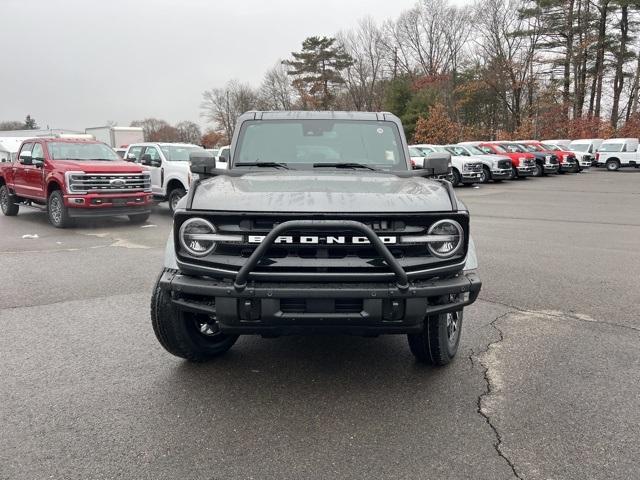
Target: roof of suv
{"points": [[174, 144], [317, 115]]}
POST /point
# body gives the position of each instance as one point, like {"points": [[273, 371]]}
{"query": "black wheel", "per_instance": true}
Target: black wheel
{"points": [[139, 217], [577, 168], [539, 172], [613, 165], [195, 337], [9, 208], [58, 213], [456, 179], [514, 173], [438, 343], [174, 197], [485, 175]]}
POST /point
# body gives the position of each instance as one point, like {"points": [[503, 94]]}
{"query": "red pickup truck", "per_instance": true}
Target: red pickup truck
{"points": [[74, 178]]}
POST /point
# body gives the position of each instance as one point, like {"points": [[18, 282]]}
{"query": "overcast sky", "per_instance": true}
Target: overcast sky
{"points": [[79, 63]]}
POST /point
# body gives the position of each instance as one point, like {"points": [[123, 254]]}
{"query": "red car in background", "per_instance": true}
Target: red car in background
{"points": [[567, 159], [523, 164]]}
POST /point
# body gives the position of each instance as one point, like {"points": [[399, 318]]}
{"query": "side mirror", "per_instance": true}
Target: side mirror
{"points": [[437, 162], [201, 161], [155, 162], [146, 159], [130, 157], [25, 158]]}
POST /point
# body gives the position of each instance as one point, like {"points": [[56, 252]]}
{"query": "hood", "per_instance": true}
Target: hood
{"points": [[98, 166], [326, 192], [490, 158]]}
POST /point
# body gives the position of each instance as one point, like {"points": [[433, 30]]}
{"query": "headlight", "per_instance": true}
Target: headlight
{"points": [[522, 159], [196, 237], [452, 237]]}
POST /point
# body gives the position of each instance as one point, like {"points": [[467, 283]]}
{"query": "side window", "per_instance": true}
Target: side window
{"points": [[37, 153], [153, 153], [486, 149], [135, 151], [26, 148]]}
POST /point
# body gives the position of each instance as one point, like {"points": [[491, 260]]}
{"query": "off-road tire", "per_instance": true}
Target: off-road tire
{"points": [[456, 178], [9, 208], [612, 165], [178, 334], [174, 197], [139, 217], [57, 212], [485, 176], [433, 345]]}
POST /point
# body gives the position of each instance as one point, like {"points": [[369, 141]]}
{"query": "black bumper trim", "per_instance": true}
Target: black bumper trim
{"points": [[195, 294], [107, 212]]}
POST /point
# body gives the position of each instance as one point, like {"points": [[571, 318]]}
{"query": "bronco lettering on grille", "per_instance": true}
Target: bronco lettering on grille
{"points": [[328, 240]]}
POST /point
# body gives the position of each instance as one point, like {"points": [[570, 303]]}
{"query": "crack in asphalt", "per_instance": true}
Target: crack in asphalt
{"points": [[560, 315], [489, 390]]}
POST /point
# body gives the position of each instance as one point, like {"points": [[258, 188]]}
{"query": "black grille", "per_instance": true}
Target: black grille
{"points": [[504, 163], [554, 159], [323, 257]]}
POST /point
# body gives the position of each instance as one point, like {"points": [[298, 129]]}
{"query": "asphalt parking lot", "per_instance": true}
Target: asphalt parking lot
{"points": [[546, 384]]}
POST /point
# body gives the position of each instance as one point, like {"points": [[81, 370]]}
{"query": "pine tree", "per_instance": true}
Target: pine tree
{"points": [[317, 69], [30, 123]]}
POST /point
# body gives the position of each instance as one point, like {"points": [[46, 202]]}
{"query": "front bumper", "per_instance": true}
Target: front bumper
{"points": [[567, 167], [470, 177], [285, 308], [551, 167], [502, 173], [526, 171]]}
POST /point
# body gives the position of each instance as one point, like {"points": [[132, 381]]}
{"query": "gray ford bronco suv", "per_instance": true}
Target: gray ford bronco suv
{"points": [[320, 225]]}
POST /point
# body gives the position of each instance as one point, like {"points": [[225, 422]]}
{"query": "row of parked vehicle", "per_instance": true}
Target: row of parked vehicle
{"points": [[484, 161]]}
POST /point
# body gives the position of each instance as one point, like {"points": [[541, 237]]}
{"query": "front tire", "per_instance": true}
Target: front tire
{"points": [[613, 165], [174, 197], [9, 208], [456, 179], [438, 343], [57, 212], [485, 176], [539, 170], [194, 337]]}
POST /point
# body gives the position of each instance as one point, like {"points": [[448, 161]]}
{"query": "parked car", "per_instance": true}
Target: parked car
{"points": [[74, 178], [522, 164], [546, 162], [563, 143], [169, 167], [494, 167], [122, 152], [556, 160], [285, 243], [425, 152], [464, 171], [567, 157], [224, 157], [616, 153], [585, 150]]}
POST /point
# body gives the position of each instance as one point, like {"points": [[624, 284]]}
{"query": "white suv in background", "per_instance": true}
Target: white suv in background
{"points": [[169, 166]]}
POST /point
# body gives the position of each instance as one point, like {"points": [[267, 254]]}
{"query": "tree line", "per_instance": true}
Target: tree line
{"points": [[28, 124], [497, 69]]}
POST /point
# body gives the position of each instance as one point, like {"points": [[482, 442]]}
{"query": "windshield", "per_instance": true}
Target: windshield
{"points": [[300, 143], [81, 151], [579, 147], [474, 150], [510, 147], [499, 149], [425, 150], [531, 147], [456, 150], [178, 153], [611, 147], [415, 152], [548, 146]]}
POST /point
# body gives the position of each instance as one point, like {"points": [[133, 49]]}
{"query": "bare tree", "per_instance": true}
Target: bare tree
{"points": [[189, 132], [223, 106], [363, 77], [276, 91]]}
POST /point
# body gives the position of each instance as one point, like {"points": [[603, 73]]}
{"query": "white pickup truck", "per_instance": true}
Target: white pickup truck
{"points": [[169, 166], [464, 170], [615, 153], [585, 150]]}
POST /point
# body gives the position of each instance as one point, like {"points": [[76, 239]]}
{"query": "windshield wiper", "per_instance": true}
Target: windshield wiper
{"points": [[262, 164], [345, 165]]}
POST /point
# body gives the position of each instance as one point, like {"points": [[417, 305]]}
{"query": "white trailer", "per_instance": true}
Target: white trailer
{"points": [[117, 137]]}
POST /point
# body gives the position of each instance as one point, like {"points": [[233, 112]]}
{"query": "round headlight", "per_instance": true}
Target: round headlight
{"points": [[452, 238], [193, 237]]}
